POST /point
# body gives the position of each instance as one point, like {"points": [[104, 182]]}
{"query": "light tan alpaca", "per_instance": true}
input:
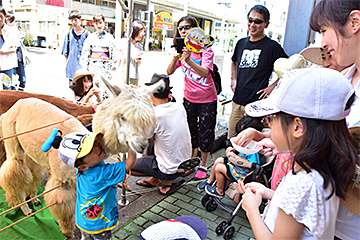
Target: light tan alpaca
{"points": [[124, 121]]}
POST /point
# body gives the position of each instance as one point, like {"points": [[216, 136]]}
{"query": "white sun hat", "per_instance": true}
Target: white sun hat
{"points": [[316, 93]]}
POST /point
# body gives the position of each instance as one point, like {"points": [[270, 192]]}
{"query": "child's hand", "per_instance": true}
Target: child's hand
{"points": [[251, 200], [229, 149], [177, 56], [245, 137], [267, 147]]}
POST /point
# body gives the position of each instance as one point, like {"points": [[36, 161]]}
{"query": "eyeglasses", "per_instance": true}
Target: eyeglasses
{"points": [[186, 27], [256, 21], [270, 117]]}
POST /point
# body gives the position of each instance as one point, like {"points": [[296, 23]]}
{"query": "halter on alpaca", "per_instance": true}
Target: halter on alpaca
{"points": [[123, 120]]}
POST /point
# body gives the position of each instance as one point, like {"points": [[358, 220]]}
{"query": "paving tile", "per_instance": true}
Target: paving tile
{"points": [[186, 212], [132, 237], [182, 197], [247, 231], [168, 206], [121, 234], [156, 209], [185, 205], [239, 236], [242, 221], [140, 221], [205, 214], [134, 228], [170, 199], [153, 217], [182, 190], [196, 195], [169, 215], [148, 224]]}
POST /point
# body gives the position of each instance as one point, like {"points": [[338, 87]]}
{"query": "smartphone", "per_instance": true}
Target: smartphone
{"points": [[179, 44]]}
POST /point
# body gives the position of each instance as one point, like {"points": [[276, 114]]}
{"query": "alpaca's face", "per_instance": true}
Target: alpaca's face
{"points": [[126, 120]]}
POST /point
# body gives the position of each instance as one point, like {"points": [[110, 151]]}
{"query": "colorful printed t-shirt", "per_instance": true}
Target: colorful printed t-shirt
{"points": [[199, 89], [238, 172], [281, 167], [96, 203]]}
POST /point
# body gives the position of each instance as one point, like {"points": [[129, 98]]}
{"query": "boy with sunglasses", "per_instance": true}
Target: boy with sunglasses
{"points": [[252, 65]]}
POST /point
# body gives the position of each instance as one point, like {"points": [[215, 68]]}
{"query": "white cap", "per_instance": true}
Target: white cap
{"points": [[317, 93], [76, 145], [313, 54]]}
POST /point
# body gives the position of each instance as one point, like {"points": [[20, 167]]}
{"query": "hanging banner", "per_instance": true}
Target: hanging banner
{"points": [[163, 20]]}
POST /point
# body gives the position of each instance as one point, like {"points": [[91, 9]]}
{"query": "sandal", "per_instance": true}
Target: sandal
{"points": [[201, 186], [188, 165], [211, 190], [201, 174]]}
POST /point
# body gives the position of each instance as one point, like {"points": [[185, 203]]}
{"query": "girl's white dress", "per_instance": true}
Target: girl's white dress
{"points": [[303, 196]]}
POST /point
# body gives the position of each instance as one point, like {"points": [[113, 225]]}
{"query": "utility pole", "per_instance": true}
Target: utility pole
{"points": [[147, 26]]}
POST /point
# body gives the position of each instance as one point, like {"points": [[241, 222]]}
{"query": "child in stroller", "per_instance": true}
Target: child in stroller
{"points": [[227, 168], [222, 178]]}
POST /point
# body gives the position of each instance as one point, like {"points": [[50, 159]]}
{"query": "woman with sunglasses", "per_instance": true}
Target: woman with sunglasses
{"points": [[199, 93]]}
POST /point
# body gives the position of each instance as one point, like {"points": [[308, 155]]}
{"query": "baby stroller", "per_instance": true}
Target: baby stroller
{"points": [[259, 173]]}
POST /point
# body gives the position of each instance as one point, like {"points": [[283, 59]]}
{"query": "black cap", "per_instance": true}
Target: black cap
{"points": [[157, 77]]}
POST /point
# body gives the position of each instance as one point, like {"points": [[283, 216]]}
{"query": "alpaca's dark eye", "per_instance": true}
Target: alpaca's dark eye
{"points": [[123, 118]]}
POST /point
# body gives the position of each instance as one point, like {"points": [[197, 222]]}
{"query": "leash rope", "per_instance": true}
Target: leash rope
{"points": [[48, 125], [56, 202], [60, 185]]}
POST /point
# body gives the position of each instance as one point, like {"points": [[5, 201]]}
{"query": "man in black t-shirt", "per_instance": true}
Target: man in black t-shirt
{"points": [[252, 65]]}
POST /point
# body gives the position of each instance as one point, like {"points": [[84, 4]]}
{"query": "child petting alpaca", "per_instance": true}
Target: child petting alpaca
{"points": [[96, 211], [223, 169], [307, 114]]}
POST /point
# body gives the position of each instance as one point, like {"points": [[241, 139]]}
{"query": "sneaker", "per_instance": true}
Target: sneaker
{"points": [[201, 186], [200, 174], [211, 190]]}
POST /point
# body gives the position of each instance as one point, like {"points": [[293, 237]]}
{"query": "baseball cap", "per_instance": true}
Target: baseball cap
{"points": [[316, 93], [76, 145], [313, 54], [157, 77]]}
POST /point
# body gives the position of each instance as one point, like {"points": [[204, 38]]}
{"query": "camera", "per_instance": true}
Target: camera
{"points": [[179, 44]]}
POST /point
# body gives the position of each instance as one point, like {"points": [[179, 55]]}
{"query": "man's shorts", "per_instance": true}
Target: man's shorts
{"points": [[148, 165]]}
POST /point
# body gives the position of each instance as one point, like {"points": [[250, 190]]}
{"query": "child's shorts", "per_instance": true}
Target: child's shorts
{"points": [[235, 172], [100, 236]]}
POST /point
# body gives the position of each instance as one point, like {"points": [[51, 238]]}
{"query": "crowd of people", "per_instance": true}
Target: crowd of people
{"points": [[308, 110]]}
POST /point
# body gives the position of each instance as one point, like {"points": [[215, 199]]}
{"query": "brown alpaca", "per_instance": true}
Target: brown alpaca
{"points": [[123, 120], [9, 98]]}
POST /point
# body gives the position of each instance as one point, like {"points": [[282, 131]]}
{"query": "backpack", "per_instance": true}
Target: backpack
{"points": [[68, 40], [216, 77]]}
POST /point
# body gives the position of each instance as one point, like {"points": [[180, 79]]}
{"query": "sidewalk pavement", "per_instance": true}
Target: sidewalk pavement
{"points": [[151, 208]]}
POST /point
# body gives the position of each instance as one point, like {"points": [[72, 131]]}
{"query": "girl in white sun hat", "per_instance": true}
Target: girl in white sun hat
{"points": [[306, 112]]}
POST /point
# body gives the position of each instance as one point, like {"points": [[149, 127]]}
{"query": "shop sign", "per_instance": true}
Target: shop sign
{"points": [[163, 20]]}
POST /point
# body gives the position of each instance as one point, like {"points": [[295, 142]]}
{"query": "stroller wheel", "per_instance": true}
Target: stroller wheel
{"points": [[229, 232], [220, 228], [210, 205], [205, 199]]}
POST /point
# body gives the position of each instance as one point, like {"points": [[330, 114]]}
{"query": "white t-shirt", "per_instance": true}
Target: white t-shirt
{"points": [[11, 39], [172, 137], [303, 196], [354, 115]]}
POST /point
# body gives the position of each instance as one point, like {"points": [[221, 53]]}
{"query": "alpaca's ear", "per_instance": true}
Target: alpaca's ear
{"points": [[115, 90]]}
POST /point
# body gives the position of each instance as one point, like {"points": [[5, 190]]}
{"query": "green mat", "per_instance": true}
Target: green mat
{"points": [[40, 226]]}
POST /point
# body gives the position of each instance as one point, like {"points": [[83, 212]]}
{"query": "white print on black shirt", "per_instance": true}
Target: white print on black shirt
{"points": [[250, 58]]}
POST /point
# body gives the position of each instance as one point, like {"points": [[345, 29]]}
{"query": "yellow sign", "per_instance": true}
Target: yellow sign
{"points": [[163, 20]]}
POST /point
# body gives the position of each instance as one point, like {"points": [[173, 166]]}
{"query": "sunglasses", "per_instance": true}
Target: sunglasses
{"points": [[186, 27], [256, 21], [270, 117]]}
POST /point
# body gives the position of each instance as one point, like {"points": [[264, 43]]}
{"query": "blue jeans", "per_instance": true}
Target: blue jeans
{"points": [[9, 73], [100, 236]]}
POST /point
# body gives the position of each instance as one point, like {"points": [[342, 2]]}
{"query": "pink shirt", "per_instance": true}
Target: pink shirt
{"points": [[199, 89]]}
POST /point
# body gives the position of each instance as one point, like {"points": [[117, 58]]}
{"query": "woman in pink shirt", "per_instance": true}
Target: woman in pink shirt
{"points": [[199, 93]]}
